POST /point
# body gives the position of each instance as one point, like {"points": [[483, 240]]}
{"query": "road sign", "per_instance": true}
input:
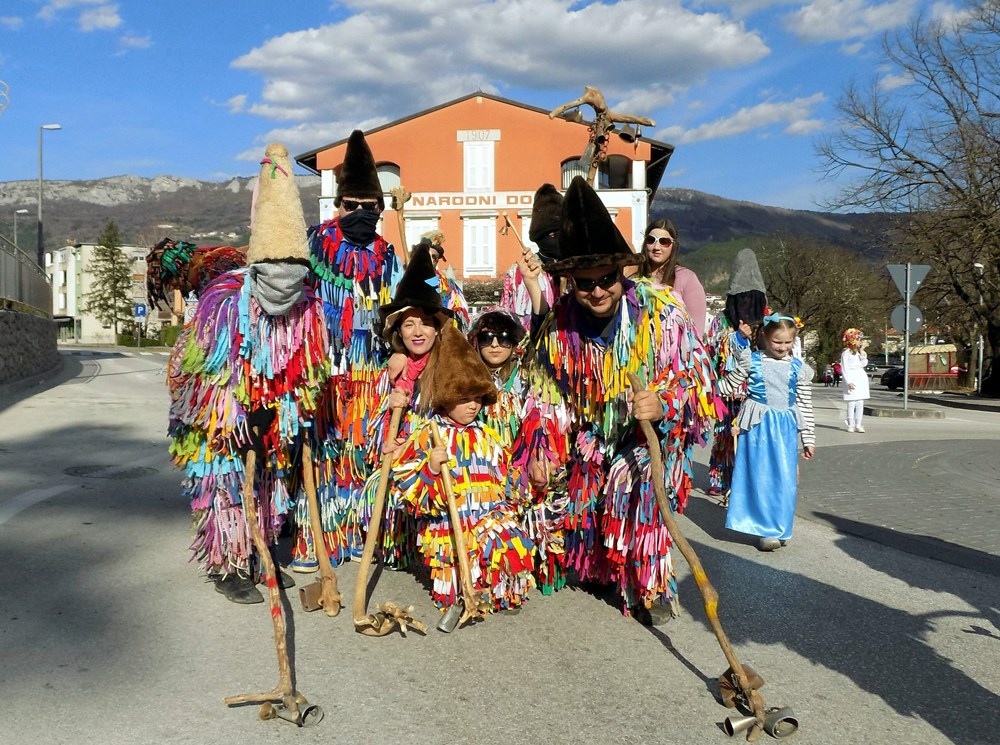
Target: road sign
{"points": [[898, 318], [139, 310], [917, 274], [189, 309]]}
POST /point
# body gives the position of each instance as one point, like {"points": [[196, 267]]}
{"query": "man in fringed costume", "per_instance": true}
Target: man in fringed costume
{"points": [[251, 371], [355, 271], [580, 441], [745, 302], [544, 233]]}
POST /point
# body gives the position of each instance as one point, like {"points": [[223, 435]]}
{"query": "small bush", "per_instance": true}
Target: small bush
{"points": [[169, 334], [128, 340]]}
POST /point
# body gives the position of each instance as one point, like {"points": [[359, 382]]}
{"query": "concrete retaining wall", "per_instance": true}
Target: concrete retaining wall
{"points": [[27, 345]]}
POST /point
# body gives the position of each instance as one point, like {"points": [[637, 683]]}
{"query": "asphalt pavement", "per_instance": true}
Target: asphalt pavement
{"points": [[108, 634]]}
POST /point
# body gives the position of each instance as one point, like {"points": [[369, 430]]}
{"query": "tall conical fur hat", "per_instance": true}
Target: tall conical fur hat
{"points": [[588, 237], [358, 176], [279, 226], [545, 212], [457, 371], [417, 288]]}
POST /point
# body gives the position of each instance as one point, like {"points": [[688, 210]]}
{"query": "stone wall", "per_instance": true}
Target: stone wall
{"points": [[27, 345]]}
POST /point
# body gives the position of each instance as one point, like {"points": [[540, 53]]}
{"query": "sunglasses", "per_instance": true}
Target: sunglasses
{"points": [[609, 280], [503, 338], [665, 240], [352, 204]]}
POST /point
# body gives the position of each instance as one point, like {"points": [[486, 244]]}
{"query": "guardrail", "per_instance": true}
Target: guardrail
{"points": [[23, 286]]}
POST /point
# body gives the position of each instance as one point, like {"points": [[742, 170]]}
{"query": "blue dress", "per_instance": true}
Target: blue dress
{"points": [[765, 475]]}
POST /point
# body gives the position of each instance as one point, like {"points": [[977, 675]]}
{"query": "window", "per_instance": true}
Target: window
{"points": [[479, 245], [478, 159], [388, 177], [571, 169], [416, 226]]}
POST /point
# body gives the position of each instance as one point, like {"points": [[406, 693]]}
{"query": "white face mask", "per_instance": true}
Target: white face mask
{"points": [[277, 287]]}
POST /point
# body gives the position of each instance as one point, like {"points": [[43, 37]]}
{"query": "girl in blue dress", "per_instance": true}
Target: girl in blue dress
{"points": [[776, 413]]}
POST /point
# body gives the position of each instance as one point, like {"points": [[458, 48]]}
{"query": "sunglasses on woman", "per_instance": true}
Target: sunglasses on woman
{"points": [[503, 338], [665, 240], [352, 204], [609, 280]]}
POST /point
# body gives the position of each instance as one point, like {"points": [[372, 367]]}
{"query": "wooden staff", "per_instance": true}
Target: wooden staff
{"points": [[510, 226], [475, 606], [323, 594], [390, 614], [708, 593], [401, 196], [284, 692]]}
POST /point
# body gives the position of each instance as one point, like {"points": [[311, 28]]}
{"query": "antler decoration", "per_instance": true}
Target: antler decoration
{"points": [[604, 123]]}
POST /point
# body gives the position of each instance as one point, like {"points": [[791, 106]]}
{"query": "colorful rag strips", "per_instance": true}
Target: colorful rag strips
{"points": [[501, 554], [514, 296], [352, 281], [577, 417], [230, 360], [453, 299], [722, 341]]}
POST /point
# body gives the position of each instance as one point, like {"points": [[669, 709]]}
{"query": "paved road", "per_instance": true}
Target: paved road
{"points": [[108, 634]]}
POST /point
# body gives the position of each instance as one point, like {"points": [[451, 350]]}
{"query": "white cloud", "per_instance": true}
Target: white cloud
{"points": [[52, 8], [101, 18], [949, 16], [852, 49], [410, 56], [136, 42], [12, 22], [237, 103], [796, 113], [891, 82], [839, 20]]}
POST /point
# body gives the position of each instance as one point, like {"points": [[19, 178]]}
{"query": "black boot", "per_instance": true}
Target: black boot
{"points": [[284, 579], [238, 589]]}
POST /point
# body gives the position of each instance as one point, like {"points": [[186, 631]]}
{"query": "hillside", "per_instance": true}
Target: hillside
{"points": [[205, 212]]}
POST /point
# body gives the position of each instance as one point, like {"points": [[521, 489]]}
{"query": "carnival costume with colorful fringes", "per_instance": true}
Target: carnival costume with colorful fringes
{"points": [[186, 267], [723, 347], [515, 298], [578, 419], [500, 552], [352, 281], [453, 298], [238, 359]]}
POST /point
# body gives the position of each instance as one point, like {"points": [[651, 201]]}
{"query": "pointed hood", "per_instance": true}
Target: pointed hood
{"points": [[279, 226], [746, 297], [418, 288], [545, 212], [358, 176], [588, 237], [457, 371]]}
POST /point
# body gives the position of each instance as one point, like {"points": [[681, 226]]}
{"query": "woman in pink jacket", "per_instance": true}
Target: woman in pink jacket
{"points": [[660, 249]]}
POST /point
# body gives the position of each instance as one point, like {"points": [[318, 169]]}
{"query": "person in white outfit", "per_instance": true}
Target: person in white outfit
{"points": [[855, 378]]}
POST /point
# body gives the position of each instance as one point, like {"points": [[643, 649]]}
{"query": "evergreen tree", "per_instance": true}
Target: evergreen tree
{"points": [[110, 297]]}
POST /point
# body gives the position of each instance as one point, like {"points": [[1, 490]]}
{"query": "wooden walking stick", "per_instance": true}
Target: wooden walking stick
{"points": [[401, 196], [475, 606], [324, 592], [291, 705], [390, 614], [508, 225], [739, 679]]}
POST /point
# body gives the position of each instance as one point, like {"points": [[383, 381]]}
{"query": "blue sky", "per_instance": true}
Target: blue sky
{"points": [[196, 88]]}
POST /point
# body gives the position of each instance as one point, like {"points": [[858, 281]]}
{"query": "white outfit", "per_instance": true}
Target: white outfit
{"points": [[853, 370]]}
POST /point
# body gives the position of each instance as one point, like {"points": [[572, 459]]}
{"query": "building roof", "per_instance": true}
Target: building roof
{"points": [[661, 151]]}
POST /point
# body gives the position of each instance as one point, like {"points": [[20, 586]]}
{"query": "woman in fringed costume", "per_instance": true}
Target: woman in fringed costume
{"points": [[517, 295], [500, 551], [355, 271], [580, 436], [746, 302], [251, 372]]}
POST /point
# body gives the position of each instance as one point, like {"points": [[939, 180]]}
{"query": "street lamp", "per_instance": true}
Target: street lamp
{"points": [[979, 328], [40, 247], [16, 213]]}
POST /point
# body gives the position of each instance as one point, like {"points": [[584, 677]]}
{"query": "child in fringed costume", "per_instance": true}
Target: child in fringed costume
{"points": [[452, 296], [354, 272], [256, 358], [746, 302], [579, 436], [776, 412], [500, 552], [543, 231]]}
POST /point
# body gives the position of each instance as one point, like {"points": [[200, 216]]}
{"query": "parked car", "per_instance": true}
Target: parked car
{"points": [[871, 367], [892, 378]]}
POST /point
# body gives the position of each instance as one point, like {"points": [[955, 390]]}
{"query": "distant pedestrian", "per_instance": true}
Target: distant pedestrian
{"points": [[777, 410], [838, 372], [856, 389]]}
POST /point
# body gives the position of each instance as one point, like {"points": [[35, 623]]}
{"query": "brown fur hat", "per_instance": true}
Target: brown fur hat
{"points": [[358, 176], [588, 237], [279, 226], [457, 371], [545, 212]]}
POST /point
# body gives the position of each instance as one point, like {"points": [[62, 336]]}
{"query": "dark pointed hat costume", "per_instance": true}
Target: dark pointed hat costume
{"points": [[588, 237], [358, 176], [417, 288], [545, 214], [746, 297]]}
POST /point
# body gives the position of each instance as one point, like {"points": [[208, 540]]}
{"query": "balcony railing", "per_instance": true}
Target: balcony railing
{"points": [[23, 286]]}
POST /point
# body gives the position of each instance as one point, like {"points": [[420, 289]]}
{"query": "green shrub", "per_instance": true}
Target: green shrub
{"points": [[128, 340], [168, 335]]}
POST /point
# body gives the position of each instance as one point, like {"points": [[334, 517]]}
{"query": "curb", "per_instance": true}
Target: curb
{"points": [[976, 405], [901, 413]]}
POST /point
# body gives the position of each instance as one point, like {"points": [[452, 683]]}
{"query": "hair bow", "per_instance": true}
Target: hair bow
{"points": [[776, 317]]}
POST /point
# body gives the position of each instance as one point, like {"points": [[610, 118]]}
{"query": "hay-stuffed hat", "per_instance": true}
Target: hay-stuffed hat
{"points": [[746, 298], [418, 288], [279, 226], [588, 237], [358, 176], [497, 319], [457, 371], [545, 211]]}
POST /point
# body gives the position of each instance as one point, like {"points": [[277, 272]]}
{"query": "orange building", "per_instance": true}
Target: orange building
{"points": [[469, 162]]}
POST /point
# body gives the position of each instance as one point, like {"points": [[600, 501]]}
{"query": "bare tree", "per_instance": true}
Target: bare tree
{"points": [[929, 152]]}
